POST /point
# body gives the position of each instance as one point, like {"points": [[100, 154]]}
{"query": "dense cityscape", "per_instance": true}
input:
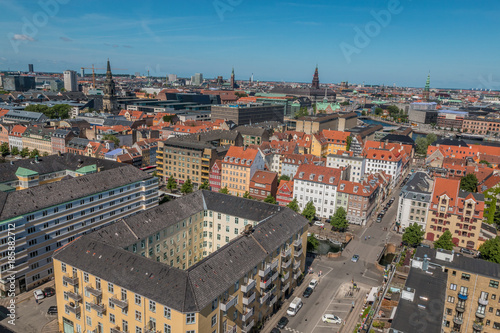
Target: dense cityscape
{"points": [[169, 203]]}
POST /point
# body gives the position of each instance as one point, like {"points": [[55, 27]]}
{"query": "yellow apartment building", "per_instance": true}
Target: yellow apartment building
{"points": [[238, 167]]}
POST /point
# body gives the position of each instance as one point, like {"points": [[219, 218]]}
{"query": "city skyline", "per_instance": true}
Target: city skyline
{"points": [[387, 42]]}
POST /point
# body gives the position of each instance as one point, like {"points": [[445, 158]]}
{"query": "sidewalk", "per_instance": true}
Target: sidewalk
{"points": [[353, 318], [27, 295]]}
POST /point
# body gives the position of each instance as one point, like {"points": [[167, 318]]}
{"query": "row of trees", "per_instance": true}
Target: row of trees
{"points": [[61, 111], [25, 152], [414, 235]]}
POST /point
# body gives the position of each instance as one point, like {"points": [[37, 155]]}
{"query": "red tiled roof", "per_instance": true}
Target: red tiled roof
{"points": [[337, 137], [240, 156], [319, 174], [264, 177]]}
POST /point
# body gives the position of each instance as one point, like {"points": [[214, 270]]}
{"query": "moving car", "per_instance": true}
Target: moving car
{"points": [[313, 283], [47, 292], [282, 322], [329, 318], [38, 293], [52, 310], [319, 223], [355, 258], [307, 292]]}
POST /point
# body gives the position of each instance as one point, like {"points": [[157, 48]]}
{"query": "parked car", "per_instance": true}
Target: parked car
{"points": [[355, 258], [282, 322], [275, 330], [379, 218], [52, 310], [319, 224], [329, 318], [313, 284], [38, 293], [307, 292], [47, 292], [466, 250]]}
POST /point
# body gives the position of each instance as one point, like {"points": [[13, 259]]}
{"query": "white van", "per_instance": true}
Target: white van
{"points": [[294, 307]]}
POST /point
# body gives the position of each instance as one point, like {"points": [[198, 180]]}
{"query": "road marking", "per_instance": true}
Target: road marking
{"points": [[330, 326], [292, 330]]}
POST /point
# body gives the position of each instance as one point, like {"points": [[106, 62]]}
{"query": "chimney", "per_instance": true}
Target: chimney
{"points": [[198, 137], [58, 153]]}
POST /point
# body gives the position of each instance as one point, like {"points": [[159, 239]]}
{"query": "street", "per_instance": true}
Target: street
{"points": [[329, 296]]}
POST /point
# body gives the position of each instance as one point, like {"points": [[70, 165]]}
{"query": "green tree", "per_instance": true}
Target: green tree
{"points": [[25, 152], [240, 94], [270, 199], [339, 219], [34, 153], [171, 183], [445, 242], [490, 250], [421, 145], [469, 183], [187, 187], [45, 153], [15, 151], [348, 143], [431, 138], [246, 195], [113, 138], [413, 235], [168, 118], [4, 149], [301, 113], [309, 211], [224, 190], [284, 177], [393, 110], [363, 113], [293, 205], [60, 111], [488, 164], [379, 111], [312, 243], [345, 103], [41, 108], [204, 186]]}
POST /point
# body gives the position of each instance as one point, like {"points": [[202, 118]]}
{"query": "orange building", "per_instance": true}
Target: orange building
{"points": [[238, 167]]}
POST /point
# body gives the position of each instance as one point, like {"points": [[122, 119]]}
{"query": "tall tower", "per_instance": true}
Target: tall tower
{"points": [[109, 102], [70, 81], [233, 85], [427, 88], [315, 82]]}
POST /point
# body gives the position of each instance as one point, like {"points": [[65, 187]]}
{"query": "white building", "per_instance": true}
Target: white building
{"points": [[319, 185], [70, 81], [388, 161], [356, 163], [414, 200]]}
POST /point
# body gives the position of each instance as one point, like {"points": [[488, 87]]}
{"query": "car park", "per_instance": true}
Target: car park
{"points": [[47, 292], [330, 318], [52, 310], [313, 284], [38, 293], [307, 292], [355, 258], [282, 322]]}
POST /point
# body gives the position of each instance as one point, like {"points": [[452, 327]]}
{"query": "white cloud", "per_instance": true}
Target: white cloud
{"points": [[23, 37]]}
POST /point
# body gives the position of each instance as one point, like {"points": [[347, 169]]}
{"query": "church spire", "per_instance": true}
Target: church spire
{"points": [[427, 88], [108, 71], [315, 81]]}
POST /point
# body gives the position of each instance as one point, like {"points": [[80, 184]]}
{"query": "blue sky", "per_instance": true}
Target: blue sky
{"points": [[456, 40]]}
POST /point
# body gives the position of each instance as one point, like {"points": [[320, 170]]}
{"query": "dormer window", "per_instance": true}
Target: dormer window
{"points": [[332, 179], [342, 186], [301, 175], [320, 178], [249, 162], [311, 176], [355, 189]]}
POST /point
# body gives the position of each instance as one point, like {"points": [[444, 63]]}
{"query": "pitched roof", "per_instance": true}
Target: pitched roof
{"points": [[264, 177], [240, 156], [336, 137], [318, 174]]}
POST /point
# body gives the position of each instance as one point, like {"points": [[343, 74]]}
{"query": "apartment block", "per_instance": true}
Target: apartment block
{"points": [[38, 138], [215, 176], [249, 113], [455, 210], [50, 201], [163, 270], [262, 184], [343, 159], [481, 125], [448, 292], [238, 167], [414, 201], [390, 158]]}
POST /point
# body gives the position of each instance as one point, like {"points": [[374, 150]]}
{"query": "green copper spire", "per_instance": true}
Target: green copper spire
{"points": [[428, 82]]}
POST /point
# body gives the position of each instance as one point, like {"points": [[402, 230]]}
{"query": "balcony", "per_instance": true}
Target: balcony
{"points": [[150, 328], [116, 330], [286, 264], [298, 253], [296, 265], [297, 243], [247, 315], [477, 326], [483, 301], [264, 272], [275, 276], [285, 277], [74, 296], [122, 304], [93, 292], [231, 329], [264, 297], [285, 287], [264, 284], [249, 286], [73, 308], [460, 307], [248, 327], [73, 281], [480, 315], [100, 308], [274, 264], [463, 296], [297, 275], [248, 300], [458, 320], [273, 300], [286, 253], [224, 306]]}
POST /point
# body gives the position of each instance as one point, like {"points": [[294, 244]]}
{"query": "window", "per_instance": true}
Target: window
{"points": [[494, 284], [465, 277], [111, 318], [137, 299], [190, 318], [214, 320], [451, 299], [111, 288], [85, 277], [167, 329], [453, 286], [152, 306], [464, 290], [63, 268], [167, 313], [138, 315]]}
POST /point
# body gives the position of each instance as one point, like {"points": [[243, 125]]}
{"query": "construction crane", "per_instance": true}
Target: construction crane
{"points": [[93, 72]]}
